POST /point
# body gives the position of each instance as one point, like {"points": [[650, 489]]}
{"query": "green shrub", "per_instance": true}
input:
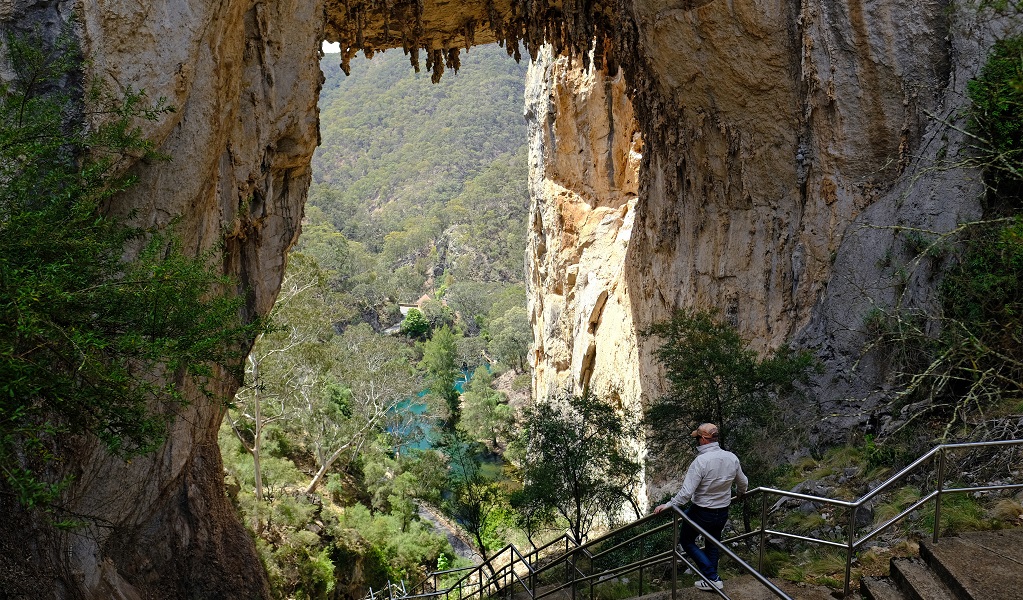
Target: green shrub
{"points": [[713, 376], [996, 118], [91, 343]]}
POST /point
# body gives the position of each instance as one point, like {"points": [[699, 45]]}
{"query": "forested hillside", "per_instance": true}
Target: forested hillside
{"points": [[346, 424], [422, 179]]}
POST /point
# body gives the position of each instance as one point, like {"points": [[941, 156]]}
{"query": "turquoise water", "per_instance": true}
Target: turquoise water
{"points": [[427, 434]]}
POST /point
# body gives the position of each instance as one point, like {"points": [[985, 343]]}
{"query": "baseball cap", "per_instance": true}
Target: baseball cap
{"points": [[707, 430]]}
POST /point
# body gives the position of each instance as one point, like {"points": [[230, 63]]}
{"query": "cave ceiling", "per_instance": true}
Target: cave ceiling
{"points": [[434, 32]]}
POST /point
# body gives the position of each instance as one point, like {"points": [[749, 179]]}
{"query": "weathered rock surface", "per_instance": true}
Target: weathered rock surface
{"points": [[243, 77], [784, 147]]}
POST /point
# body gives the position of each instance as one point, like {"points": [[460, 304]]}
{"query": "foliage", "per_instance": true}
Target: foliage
{"points": [[372, 375], [415, 325], [288, 360], [511, 337], [486, 416], [439, 355], [962, 364], [474, 498], [578, 461], [423, 179], [996, 119], [404, 548], [91, 341], [438, 314], [310, 545], [714, 376], [471, 300]]}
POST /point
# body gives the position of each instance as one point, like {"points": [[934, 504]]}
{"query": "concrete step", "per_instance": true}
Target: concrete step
{"points": [[879, 588], [982, 565], [913, 578], [745, 587]]}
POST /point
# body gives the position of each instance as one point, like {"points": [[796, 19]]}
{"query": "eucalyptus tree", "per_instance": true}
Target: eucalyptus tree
{"points": [[368, 376], [511, 337], [287, 360], [714, 376], [474, 498], [439, 355], [579, 462], [486, 415]]}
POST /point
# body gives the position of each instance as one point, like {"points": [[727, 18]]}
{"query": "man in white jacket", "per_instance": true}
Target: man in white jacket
{"points": [[708, 486]]}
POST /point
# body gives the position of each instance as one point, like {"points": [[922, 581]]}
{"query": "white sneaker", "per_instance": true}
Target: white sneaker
{"points": [[703, 585]]}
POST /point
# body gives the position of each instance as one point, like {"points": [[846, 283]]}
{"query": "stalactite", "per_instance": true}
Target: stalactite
{"points": [[438, 65], [414, 58], [453, 60], [590, 30], [469, 34]]}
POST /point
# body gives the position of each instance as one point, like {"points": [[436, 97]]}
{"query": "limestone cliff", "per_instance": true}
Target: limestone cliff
{"points": [[784, 145], [243, 78]]}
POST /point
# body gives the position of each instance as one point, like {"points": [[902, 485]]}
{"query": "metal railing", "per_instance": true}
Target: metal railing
{"points": [[640, 546], [851, 543]]}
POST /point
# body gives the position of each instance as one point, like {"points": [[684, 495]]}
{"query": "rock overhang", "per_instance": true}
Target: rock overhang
{"points": [[443, 28]]}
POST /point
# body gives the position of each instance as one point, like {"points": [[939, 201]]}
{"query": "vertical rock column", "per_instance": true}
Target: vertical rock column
{"points": [[584, 156], [243, 78]]}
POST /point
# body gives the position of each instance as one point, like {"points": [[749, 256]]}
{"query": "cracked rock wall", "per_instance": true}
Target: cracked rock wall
{"points": [[243, 78], [783, 146]]}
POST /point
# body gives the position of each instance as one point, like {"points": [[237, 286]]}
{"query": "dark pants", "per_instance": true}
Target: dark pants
{"points": [[713, 522]]}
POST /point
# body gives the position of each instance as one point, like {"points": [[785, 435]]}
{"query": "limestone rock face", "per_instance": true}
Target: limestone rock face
{"points": [[585, 152], [243, 78], [784, 145]]}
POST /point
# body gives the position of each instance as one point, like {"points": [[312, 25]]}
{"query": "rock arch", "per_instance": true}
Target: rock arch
{"points": [[768, 128]]}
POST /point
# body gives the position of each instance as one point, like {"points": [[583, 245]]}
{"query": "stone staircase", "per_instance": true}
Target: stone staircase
{"points": [[986, 565]]}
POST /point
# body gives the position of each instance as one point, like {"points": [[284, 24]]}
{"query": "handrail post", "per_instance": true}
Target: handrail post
{"points": [[575, 560], [591, 578], [674, 554], [937, 497], [763, 530], [532, 579], [850, 550]]}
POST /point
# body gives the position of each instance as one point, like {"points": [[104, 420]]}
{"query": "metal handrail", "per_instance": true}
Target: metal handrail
{"points": [[569, 557], [851, 543]]}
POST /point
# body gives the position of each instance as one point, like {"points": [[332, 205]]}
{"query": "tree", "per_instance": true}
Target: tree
{"points": [[579, 462], [287, 360], [437, 314], [471, 300], [511, 337], [486, 416], [415, 325], [439, 354], [373, 376], [714, 376], [102, 323], [474, 497], [472, 352]]}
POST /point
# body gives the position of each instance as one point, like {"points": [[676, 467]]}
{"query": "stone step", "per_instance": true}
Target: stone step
{"points": [[981, 565], [879, 588], [918, 582]]}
